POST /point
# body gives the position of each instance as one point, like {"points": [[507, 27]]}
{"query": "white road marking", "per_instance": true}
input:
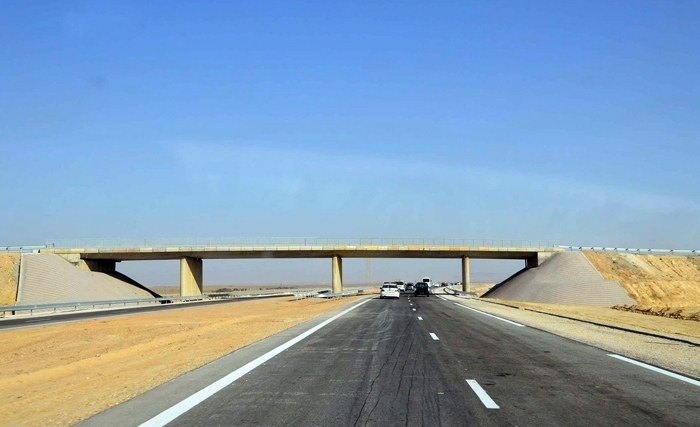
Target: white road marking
{"points": [[441, 297], [180, 408], [420, 318], [490, 315], [414, 309], [435, 337], [481, 393], [659, 370], [411, 304]]}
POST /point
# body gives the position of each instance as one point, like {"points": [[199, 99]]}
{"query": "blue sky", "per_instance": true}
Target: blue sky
{"points": [[577, 122]]}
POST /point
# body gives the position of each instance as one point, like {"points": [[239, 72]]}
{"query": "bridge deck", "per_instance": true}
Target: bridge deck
{"points": [[301, 251]]}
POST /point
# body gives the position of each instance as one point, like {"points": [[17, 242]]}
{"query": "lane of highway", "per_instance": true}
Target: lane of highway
{"points": [[382, 365]]}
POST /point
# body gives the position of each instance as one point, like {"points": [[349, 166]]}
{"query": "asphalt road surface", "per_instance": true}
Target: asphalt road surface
{"points": [[429, 362]]}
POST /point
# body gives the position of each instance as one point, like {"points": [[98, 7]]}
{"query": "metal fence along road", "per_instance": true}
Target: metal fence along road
{"points": [[292, 241], [23, 249], [632, 250], [105, 304]]}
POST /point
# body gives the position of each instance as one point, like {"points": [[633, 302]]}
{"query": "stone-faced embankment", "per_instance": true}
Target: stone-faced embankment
{"points": [[564, 278]]}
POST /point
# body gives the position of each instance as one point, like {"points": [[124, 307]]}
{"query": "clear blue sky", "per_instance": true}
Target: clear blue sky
{"points": [[572, 121]]}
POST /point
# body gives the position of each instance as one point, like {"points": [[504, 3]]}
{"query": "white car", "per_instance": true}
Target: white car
{"points": [[390, 290]]}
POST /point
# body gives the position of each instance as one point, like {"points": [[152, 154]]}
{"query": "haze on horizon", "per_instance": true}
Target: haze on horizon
{"points": [[575, 122]]}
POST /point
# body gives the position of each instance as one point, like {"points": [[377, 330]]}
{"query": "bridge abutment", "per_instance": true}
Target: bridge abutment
{"points": [[537, 260], [191, 277], [96, 265], [337, 283]]}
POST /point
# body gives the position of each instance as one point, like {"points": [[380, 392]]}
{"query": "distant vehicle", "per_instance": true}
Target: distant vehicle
{"points": [[389, 290], [422, 288], [402, 285], [428, 281], [409, 287]]}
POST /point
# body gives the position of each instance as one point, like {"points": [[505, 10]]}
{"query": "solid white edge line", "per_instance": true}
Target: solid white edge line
{"points": [[483, 396], [655, 369], [490, 315], [435, 337], [180, 408], [420, 318]]}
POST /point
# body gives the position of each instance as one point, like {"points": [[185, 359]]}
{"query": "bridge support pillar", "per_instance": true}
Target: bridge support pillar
{"points": [[191, 282], [337, 275], [466, 280]]}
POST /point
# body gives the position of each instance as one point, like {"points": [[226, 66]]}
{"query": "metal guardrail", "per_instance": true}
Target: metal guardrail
{"points": [[455, 292], [22, 249], [291, 241], [632, 250], [137, 301], [168, 300], [134, 301]]}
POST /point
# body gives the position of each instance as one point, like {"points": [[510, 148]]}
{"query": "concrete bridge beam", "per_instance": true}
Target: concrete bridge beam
{"points": [[191, 277], [466, 279], [337, 283]]}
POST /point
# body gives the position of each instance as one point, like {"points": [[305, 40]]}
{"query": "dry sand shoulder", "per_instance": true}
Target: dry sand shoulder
{"points": [[62, 374]]}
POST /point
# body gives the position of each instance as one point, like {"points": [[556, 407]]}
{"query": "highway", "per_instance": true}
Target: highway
{"points": [[420, 362]]}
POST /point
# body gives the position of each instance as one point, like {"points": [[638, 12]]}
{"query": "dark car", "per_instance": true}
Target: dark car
{"points": [[421, 288]]}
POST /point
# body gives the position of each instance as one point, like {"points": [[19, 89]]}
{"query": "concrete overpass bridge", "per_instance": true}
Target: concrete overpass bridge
{"points": [[103, 254]]}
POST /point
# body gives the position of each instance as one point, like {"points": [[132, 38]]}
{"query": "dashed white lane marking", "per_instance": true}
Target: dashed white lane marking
{"points": [[420, 318], [414, 309], [435, 337], [178, 409], [490, 315], [411, 304], [483, 396], [659, 370]]}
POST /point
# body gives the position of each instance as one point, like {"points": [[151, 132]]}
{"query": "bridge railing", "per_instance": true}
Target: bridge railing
{"points": [[292, 241]]}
